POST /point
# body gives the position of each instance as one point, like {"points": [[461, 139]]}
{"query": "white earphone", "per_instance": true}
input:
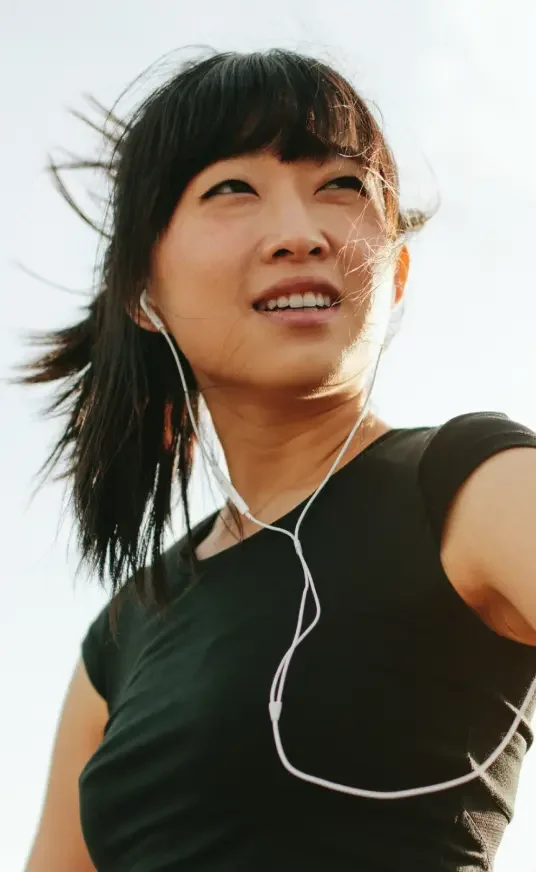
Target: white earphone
{"points": [[276, 692]]}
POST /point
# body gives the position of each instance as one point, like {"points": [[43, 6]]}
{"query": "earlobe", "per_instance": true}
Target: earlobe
{"points": [[137, 314], [401, 273]]}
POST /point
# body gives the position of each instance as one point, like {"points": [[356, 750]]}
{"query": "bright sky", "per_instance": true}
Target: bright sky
{"points": [[455, 85]]}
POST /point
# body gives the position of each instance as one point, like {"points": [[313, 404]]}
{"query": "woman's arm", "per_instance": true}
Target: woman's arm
{"points": [[493, 529], [59, 845]]}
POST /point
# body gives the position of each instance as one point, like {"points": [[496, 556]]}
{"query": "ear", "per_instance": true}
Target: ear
{"points": [[136, 313], [401, 273]]}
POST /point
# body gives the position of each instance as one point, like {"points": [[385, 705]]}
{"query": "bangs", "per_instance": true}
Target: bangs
{"points": [[232, 104], [292, 106]]}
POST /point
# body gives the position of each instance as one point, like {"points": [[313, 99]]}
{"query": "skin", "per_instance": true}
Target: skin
{"points": [[282, 399]]}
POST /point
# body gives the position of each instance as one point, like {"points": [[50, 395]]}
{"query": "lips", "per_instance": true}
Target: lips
{"points": [[303, 285]]}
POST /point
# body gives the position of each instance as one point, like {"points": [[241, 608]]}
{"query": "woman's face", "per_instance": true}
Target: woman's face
{"points": [[229, 242]]}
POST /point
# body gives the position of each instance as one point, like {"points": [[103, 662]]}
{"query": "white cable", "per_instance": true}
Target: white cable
{"points": [[223, 482], [275, 705]]}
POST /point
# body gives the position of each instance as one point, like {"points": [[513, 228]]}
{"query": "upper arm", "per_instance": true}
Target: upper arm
{"points": [[503, 521], [59, 844], [478, 480], [491, 528]]}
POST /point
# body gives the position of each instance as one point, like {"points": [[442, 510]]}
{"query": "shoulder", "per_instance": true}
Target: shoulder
{"points": [[454, 451], [480, 476], [104, 643], [113, 638]]}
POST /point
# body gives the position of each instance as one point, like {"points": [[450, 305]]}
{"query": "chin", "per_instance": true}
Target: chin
{"points": [[298, 381]]}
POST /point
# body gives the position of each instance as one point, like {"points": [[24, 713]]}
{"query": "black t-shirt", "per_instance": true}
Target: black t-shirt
{"points": [[400, 685]]}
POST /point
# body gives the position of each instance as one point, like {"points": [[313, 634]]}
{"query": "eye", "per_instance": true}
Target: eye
{"points": [[349, 182], [241, 187], [217, 189]]}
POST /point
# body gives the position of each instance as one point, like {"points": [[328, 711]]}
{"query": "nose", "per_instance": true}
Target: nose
{"points": [[299, 249], [296, 239]]}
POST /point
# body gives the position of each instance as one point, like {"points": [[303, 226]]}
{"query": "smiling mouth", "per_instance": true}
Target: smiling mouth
{"points": [[308, 302]]}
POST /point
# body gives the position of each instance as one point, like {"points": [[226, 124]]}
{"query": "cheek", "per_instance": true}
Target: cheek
{"points": [[362, 239], [212, 339], [199, 279], [201, 269]]}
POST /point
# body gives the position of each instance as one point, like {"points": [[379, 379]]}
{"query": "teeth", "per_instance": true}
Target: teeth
{"points": [[309, 300]]}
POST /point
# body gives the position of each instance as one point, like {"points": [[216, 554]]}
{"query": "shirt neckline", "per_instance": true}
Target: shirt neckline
{"points": [[202, 529]]}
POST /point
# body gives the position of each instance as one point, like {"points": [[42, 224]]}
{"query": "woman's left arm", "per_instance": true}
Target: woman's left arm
{"points": [[493, 521]]}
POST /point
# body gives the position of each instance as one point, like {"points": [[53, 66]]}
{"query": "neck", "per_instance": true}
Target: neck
{"points": [[278, 452]]}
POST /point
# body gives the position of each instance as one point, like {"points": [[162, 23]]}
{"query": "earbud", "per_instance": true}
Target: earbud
{"points": [[151, 314]]}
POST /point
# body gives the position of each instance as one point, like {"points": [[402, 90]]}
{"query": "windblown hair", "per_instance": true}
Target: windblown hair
{"points": [[128, 439]]}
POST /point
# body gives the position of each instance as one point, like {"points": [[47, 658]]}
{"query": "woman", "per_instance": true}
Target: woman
{"points": [[256, 229]]}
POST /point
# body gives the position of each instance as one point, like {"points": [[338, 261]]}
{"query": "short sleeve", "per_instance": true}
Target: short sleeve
{"points": [[97, 652], [456, 449]]}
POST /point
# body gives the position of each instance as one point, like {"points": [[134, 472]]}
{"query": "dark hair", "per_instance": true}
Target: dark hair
{"points": [[128, 438]]}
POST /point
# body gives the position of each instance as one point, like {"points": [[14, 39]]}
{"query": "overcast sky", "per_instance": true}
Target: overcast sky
{"points": [[455, 84]]}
